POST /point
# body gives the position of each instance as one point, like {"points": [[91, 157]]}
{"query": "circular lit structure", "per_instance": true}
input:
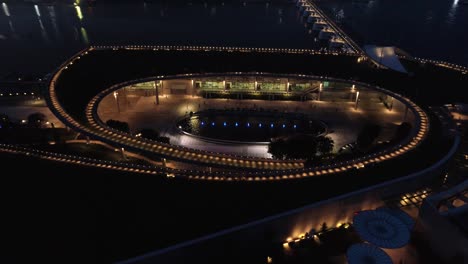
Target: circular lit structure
{"points": [[367, 254], [401, 215], [248, 168], [381, 229]]}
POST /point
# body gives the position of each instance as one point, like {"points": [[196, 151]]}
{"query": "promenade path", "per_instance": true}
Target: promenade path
{"points": [[343, 121]]}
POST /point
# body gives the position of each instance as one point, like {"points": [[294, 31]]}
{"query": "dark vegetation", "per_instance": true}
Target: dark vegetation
{"points": [[300, 146], [36, 120], [367, 136], [35, 130], [152, 134], [118, 125]]}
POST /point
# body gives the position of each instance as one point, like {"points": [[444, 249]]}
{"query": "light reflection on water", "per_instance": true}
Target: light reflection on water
{"points": [[39, 37], [433, 29]]}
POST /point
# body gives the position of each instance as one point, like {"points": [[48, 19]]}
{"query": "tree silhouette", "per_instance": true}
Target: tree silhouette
{"points": [[119, 125], [149, 133], [36, 120], [4, 121], [401, 132], [325, 144], [367, 136], [300, 147]]}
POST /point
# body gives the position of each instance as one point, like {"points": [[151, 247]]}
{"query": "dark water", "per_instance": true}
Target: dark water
{"points": [[38, 37], [436, 29], [34, 39]]}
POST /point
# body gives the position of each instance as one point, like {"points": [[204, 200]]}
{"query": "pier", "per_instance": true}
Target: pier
{"points": [[321, 21]]}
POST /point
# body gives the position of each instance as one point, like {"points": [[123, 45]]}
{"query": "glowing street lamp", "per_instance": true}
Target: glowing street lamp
{"points": [[320, 91], [357, 100], [193, 89], [353, 90], [117, 100]]}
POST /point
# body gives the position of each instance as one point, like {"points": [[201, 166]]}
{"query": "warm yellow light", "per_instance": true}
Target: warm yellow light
{"points": [[5, 9], [78, 12], [36, 8], [84, 34]]}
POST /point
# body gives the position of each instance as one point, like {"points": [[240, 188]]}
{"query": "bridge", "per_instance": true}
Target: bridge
{"points": [[349, 42]]}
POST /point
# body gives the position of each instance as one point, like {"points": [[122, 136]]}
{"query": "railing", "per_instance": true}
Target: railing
{"points": [[293, 222], [272, 174], [410, 143]]}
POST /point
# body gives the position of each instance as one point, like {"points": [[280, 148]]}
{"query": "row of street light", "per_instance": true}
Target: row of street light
{"points": [[269, 168]]}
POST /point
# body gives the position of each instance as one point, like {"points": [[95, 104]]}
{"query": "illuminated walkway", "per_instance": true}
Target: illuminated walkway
{"points": [[264, 169], [343, 121]]}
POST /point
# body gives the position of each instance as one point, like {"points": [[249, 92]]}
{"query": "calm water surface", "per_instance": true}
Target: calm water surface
{"points": [[436, 29], [34, 39], [39, 37]]}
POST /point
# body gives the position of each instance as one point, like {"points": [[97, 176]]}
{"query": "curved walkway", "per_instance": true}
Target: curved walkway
{"points": [[277, 169]]}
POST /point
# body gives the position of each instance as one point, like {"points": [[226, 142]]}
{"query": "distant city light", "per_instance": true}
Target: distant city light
{"points": [[78, 12], [5, 9], [37, 10]]}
